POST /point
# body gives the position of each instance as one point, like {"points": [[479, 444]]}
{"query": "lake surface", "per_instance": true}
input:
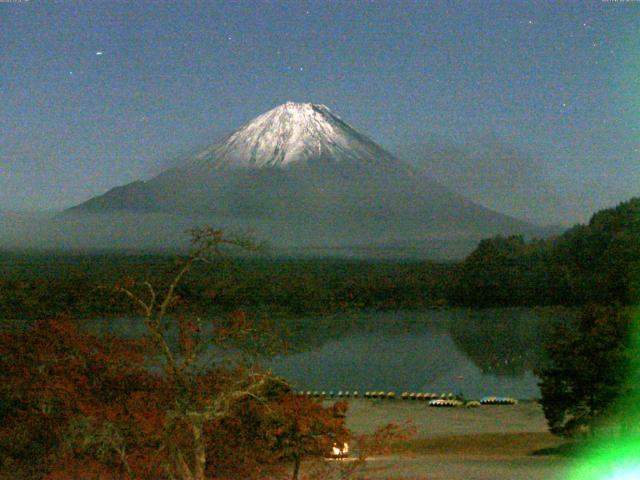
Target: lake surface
{"points": [[477, 353]]}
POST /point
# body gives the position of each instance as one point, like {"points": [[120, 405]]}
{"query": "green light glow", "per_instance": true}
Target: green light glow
{"points": [[617, 456], [619, 462]]}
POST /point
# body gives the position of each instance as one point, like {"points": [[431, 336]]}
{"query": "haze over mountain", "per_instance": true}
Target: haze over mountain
{"points": [[298, 175], [493, 173]]}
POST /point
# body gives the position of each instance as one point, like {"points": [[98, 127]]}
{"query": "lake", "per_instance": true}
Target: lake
{"points": [[473, 352], [477, 353]]}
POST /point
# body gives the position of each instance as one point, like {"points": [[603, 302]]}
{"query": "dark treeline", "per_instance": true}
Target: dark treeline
{"points": [[598, 262], [39, 286], [594, 263]]}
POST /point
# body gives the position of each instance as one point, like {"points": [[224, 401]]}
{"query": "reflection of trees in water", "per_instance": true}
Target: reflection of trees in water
{"points": [[313, 333], [498, 341], [506, 341]]}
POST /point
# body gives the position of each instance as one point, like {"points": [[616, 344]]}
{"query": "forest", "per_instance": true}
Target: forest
{"points": [[598, 262]]}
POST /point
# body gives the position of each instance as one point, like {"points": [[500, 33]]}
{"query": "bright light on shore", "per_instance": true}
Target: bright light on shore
{"points": [[340, 452]]}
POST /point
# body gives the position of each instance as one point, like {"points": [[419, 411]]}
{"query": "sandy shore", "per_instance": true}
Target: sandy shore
{"points": [[364, 416], [484, 443]]}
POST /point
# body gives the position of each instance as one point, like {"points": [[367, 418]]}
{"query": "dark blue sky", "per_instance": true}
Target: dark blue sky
{"points": [[96, 94]]}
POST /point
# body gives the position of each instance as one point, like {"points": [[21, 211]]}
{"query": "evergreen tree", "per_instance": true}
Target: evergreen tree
{"points": [[588, 371]]}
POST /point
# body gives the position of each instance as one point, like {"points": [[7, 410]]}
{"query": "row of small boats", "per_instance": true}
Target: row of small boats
{"points": [[434, 399]]}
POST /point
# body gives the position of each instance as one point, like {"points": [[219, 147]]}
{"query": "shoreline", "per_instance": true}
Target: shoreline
{"points": [[481, 443]]}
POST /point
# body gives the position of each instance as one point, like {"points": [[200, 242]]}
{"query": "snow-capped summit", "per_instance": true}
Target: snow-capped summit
{"points": [[290, 133]]}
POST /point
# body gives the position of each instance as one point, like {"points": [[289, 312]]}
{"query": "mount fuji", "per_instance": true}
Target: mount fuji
{"points": [[298, 175]]}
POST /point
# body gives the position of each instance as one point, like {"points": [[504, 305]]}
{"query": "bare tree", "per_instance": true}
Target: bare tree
{"points": [[181, 361]]}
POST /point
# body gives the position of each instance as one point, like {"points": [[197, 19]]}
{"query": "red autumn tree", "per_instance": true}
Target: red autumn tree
{"points": [[197, 403], [74, 405], [301, 428], [56, 382]]}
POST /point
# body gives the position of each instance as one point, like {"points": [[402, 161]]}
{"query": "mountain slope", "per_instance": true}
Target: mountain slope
{"points": [[299, 175]]}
